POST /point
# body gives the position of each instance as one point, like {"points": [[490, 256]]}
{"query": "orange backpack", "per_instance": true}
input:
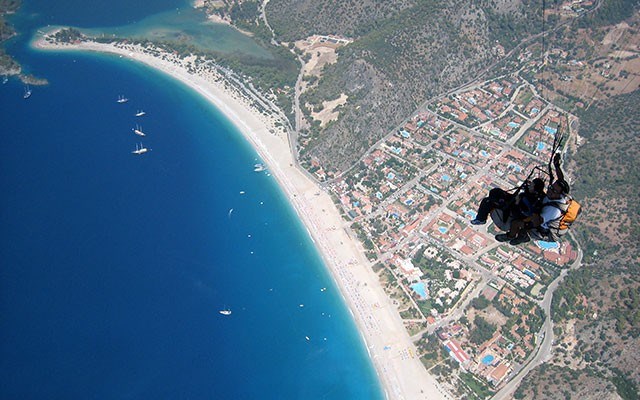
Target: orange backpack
{"points": [[570, 212]]}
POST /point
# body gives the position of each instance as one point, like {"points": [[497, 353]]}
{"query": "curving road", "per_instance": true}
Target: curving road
{"points": [[543, 351]]}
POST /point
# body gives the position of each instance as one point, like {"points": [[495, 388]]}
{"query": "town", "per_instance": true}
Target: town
{"points": [[410, 200]]}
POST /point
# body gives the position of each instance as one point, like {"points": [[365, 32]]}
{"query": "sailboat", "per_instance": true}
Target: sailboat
{"points": [[140, 150], [138, 131], [122, 99], [27, 92], [140, 113]]}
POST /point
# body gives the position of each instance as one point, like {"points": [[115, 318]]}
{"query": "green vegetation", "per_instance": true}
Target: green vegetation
{"points": [[625, 387], [607, 163], [403, 53], [68, 35], [480, 303], [478, 389], [482, 331], [7, 63], [610, 12], [431, 351], [244, 14], [627, 312], [7, 6], [277, 73], [567, 299]]}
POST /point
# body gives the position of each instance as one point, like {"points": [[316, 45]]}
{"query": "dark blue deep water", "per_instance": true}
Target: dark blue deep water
{"points": [[113, 267]]}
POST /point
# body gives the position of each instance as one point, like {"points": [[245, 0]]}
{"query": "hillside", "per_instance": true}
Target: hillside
{"points": [[7, 64], [403, 53], [597, 309]]}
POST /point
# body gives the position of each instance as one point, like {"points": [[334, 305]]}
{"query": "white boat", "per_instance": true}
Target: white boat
{"points": [[225, 312], [140, 150], [122, 99], [27, 92], [138, 130], [140, 113], [5, 79], [259, 167]]}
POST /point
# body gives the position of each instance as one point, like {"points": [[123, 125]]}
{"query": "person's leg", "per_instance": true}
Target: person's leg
{"points": [[517, 233], [497, 198], [483, 211]]}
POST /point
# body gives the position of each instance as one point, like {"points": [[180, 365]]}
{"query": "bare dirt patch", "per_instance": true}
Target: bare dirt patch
{"points": [[329, 111]]}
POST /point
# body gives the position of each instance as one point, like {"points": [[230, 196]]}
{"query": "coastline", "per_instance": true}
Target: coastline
{"points": [[400, 371]]}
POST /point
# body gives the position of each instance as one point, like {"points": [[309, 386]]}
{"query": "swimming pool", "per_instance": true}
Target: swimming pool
{"points": [[421, 289], [488, 359], [547, 245]]}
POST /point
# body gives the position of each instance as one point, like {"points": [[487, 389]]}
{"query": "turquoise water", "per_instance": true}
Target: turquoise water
{"points": [[488, 359], [188, 26], [421, 289], [547, 245], [115, 266]]}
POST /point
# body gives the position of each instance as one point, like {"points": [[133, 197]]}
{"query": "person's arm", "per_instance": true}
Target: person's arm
{"points": [[556, 164]]}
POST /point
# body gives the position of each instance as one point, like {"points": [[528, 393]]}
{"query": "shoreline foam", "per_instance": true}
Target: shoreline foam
{"points": [[400, 371]]}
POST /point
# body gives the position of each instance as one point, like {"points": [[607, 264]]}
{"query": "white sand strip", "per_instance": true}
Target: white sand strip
{"points": [[395, 357]]}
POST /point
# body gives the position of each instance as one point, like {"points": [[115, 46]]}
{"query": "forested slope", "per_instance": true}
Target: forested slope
{"points": [[417, 50]]}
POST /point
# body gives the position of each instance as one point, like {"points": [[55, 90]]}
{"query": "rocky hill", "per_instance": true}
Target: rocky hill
{"points": [[596, 311], [403, 53], [597, 308], [7, 64]]}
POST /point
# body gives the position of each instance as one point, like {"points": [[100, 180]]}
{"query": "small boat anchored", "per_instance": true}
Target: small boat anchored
{"points": [[138, 130], [225, 312], [122, 99], [140, 113], [27, 92], [140, 150], [259, 167]]}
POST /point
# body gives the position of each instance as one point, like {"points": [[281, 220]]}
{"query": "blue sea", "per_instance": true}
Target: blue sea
{"points": [[114, 267]]}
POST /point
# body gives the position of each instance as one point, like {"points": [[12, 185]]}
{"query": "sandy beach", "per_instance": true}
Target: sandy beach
{"points": [[388, 343]]}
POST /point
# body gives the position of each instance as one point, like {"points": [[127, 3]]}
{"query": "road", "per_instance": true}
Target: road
{"points": [[543, 351]]}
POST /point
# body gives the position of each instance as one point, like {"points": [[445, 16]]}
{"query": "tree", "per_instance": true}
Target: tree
{"points": [[482, 332], [480, 302]]}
